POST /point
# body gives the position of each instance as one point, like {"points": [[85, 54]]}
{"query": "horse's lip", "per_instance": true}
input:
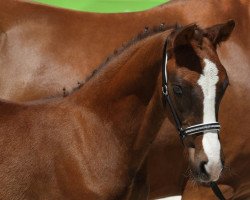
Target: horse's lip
{"points": [[203, 178], [200, 177], [202, 181]]}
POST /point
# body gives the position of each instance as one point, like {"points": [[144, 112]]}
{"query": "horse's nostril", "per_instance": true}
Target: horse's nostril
{"points": [[202, 167]]}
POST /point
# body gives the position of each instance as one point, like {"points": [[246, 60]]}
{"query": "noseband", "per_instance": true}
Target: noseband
{"points": [[191, 130]]}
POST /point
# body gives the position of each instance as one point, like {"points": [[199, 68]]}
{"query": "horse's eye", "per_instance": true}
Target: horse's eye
{"points": [[177, 89]]}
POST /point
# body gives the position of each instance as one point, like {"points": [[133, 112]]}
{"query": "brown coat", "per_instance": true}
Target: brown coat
{"points": [[37, 41]]}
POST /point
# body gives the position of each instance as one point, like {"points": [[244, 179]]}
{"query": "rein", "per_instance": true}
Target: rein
{"points": [[191, 130], [217, 191]]}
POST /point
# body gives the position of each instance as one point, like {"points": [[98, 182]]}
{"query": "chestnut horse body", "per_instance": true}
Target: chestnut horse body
{"points": [[47, 49], [98, 149]]}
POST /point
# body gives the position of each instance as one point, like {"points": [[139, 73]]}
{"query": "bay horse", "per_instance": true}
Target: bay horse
{"points": [[40, 52], [93, 144]]}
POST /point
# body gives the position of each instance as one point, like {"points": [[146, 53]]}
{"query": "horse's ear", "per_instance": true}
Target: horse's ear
{"points": [[220, 32], [184, 35]]}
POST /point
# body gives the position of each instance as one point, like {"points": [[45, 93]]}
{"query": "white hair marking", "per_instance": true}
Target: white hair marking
{"points": [[210, 141]]}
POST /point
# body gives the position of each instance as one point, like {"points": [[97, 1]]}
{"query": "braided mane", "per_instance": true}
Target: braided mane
{"points": [[147, 32]]}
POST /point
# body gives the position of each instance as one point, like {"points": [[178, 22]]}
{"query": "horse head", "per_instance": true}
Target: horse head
{"points": [[194, 82]]}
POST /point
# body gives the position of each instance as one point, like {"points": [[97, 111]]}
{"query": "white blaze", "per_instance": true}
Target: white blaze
{"points": [[210, 141]]}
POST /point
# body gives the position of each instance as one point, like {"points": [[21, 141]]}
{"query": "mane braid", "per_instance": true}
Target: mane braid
{"points": [[141, 36]]}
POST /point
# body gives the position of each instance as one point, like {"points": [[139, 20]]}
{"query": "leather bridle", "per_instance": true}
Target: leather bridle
{"points": [[191, 130]]}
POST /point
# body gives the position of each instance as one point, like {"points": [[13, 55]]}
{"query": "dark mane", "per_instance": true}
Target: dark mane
{"points": [[147, 32]]}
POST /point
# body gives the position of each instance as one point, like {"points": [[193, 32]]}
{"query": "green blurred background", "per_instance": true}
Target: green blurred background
{"points": [[105, 6]]}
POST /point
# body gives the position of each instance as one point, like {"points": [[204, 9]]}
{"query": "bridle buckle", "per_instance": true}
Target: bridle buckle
{"points": [[165, 90]]}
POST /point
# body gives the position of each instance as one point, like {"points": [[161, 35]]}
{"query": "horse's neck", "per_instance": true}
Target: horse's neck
{"points": [[126, 93]]}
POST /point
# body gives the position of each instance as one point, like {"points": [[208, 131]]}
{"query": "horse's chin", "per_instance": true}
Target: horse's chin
{"points": [[200, 178], [203, 178]]}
